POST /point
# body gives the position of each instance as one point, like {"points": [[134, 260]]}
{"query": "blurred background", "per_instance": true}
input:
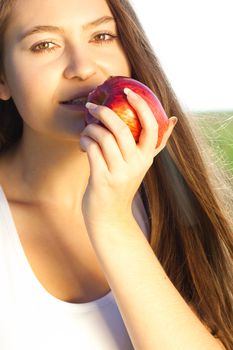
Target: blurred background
{"points": [[193, 41]]}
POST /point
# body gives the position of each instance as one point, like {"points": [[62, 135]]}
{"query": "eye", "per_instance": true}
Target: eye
{"points": [[44, 46], [105, 37], [49, 46]]}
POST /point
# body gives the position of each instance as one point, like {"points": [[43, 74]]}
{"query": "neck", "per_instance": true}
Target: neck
{"points": [[50, 171]]}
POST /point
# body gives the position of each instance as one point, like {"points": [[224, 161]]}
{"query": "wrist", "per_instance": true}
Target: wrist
{"points": [[102, 229]]}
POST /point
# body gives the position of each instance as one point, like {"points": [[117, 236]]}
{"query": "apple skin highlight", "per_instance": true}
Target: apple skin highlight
{"points": [[111, 94]]}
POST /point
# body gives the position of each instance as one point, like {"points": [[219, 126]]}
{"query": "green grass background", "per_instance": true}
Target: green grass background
{"points": [[217, 129]]}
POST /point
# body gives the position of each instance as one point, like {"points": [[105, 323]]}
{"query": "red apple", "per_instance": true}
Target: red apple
{"points": [[111, 94]]}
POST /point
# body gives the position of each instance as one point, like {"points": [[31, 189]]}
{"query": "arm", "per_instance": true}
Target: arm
{"points": [[154, 313]]}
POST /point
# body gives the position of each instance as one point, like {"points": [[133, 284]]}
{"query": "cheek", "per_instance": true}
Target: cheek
{"points": [[123, 66], [123, 62], [117, 63], [27, 73], [29, 86]]}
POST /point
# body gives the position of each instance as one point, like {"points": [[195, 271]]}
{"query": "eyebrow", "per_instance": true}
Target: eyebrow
{"points": [[54, 29]]}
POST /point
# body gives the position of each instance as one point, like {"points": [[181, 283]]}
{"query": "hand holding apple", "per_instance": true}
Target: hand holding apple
{"points": [[111, 94], [117, 163]]}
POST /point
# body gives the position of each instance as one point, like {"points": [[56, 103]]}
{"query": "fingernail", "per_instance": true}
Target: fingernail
{"points": [[174, 120], [90, 105], [82, 143], [130, 93]]}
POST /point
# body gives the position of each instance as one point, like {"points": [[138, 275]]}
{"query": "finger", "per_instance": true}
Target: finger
{"points": [[94, 154], [172, 122], [107, 143], [149, 133], [118, 128]]}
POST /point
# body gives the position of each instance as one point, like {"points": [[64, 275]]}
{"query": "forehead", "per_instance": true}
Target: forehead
{"points": [[26, 13]]}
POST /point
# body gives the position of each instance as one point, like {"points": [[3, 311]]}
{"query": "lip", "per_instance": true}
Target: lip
{"points": [[75, 98], [76, 106], [84, 94]]}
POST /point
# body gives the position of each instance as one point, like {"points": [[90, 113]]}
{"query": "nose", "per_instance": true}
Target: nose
{"points": [[79, 65]]}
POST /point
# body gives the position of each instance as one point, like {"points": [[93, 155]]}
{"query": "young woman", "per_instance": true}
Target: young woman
{"points": [[104, 243]]}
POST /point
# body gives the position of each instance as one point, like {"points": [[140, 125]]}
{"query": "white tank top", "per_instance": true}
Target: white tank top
{"points": [[32, 319]]}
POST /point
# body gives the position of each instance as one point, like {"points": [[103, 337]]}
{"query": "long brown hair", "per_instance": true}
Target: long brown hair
{"points": [[190, 219]]}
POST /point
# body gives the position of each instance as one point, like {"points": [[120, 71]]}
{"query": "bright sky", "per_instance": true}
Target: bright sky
{"points": [[193, 40]]}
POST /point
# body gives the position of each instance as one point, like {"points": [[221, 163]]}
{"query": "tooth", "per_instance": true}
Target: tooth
{"points": [[79, 99]]}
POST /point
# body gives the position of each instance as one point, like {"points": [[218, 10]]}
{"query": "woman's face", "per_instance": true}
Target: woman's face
{"points": [[52, 54]]}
